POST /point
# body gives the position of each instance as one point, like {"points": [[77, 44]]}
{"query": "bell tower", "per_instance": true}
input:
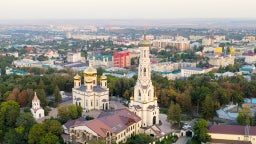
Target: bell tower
{"points": [[144, 103]]}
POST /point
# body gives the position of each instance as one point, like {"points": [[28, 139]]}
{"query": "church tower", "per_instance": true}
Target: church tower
{"points": [[37, 110], [144, 103]]}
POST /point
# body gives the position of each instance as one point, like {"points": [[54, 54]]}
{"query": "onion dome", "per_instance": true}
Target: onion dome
{"points": [[103, 77], [90, 70], [132, 98], [77, 77]]}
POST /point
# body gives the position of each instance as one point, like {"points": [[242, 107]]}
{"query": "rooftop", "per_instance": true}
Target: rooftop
{"points": [[232, 129]]}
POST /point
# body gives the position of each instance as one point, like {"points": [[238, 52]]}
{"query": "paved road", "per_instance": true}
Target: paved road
{"points": [[182, 140], [166, 126]]}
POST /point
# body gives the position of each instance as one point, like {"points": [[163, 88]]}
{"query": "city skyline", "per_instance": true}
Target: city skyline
{"points": [[126, 9]]}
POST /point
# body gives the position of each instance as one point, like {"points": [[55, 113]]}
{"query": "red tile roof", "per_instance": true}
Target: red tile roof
{"points": [[99, 127], [35, 98], [232, 129]]}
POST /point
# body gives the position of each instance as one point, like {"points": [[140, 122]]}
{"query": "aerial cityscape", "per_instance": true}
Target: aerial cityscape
{"points": [[127, 72]]}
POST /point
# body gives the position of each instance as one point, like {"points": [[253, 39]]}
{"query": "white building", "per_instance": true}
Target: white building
{"points": [[144, 103], [90, 95], [188, 71], [37, 110], [250, 58], [74, 57], [222, 61]]}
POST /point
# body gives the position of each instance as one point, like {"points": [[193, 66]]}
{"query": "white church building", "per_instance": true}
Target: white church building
{"points": [[90, 95], [37, 110], [144, 103]]}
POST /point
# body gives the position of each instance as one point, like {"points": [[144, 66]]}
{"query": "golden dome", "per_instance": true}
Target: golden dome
{"points": [[145, 42], [132, 98], [77, 77], [90, 70], [103, 77], [88, 80], [155, 98]]}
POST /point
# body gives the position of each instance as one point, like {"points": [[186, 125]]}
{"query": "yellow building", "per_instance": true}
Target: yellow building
{"points": [[218, 50], [232, 134]]}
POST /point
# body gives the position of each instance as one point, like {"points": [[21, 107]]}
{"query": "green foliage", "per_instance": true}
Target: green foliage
{"points": [[57, 95], [36, 133], [201, 131], [174, 113], [9, 112], [68, 112], [48, 133], [208, 110], [245, 116], [50, 138], [140, 139]]}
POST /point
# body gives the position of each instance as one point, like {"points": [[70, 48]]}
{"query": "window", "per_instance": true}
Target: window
{"points": [[144, 53], [91, 103], [145, 71]]}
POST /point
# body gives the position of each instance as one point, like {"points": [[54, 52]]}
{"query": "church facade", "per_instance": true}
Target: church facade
{"points": [[144, 103], [89, 95], [37, 110]]}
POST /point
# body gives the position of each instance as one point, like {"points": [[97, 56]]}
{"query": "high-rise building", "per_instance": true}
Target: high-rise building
{"points": [[144, 103]]}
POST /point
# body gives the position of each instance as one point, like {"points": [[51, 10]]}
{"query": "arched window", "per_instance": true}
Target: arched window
{"points": [[139, 94], [144, 53], [145, 71]]}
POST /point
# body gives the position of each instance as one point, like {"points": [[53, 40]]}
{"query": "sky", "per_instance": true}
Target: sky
{"points": [[126, 9]]}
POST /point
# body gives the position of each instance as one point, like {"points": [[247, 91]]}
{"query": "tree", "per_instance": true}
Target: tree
{"points": [[201, 131], [36, 133], [174, 113], [54, 127], [57, 95], [140, 139], [72, 110], [42, 96], [245, 116], [63, 114], [50, 138], [14, 94], [9, 112], [68, 112], [23, 98], [208, 108]]}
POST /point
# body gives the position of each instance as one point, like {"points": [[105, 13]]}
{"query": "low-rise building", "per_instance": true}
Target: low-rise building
{"points": [[113, 126], [234, 133], [73, 57]]}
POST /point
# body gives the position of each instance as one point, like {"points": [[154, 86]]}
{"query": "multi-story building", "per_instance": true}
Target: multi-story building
{"points": [[249, 38], [250, 58], [73, 57], [122, 59], [180, 44], [188, 71], [170, 66], [114, 126], [207, 41], [222, 61], [90, 95]]}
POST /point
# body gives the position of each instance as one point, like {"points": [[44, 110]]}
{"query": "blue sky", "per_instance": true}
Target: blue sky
{"points": [[126, 9]]}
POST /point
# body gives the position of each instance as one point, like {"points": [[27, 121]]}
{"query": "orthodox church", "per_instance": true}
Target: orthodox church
{"points": [[144, 103], [90, 95], [36, 110]]}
